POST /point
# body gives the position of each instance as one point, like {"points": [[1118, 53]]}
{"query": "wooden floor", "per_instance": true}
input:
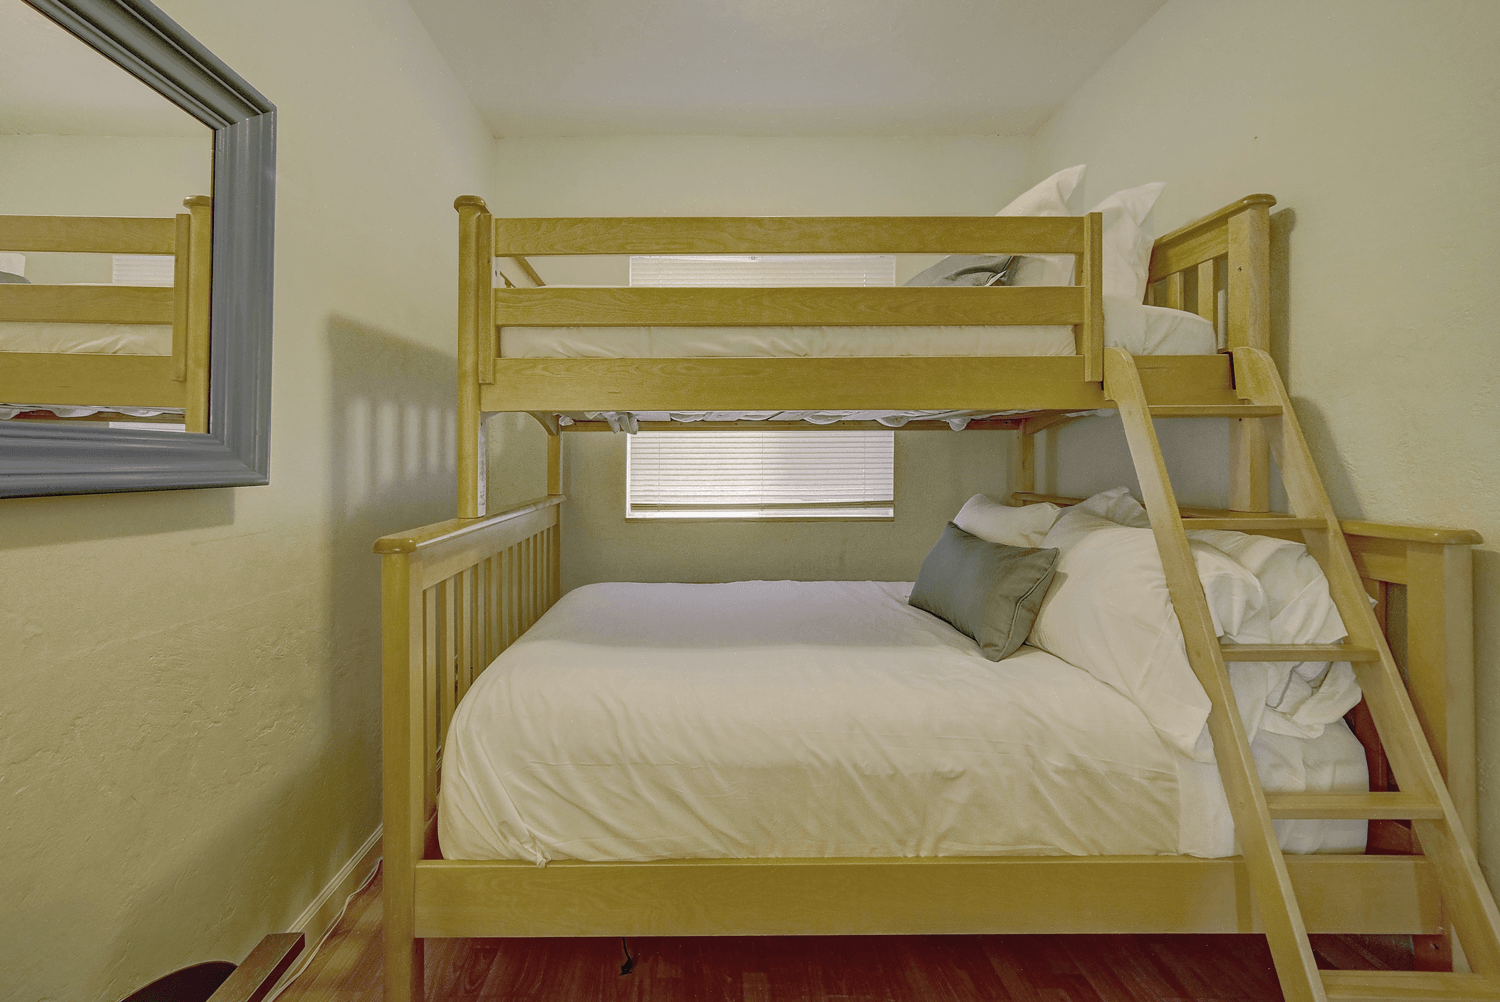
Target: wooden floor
{"points": [[815, 969]]}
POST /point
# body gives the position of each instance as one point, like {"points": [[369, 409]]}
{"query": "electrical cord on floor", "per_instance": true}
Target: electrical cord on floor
{"points": [[305, 961], [629, 964]]}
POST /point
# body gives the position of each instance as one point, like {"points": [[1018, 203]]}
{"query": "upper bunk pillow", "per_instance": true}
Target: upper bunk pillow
{"points": [[1109, 613], [965, 269], [1049, 198], [1129, 234], [6, 278], [996, 522], [987, 591], [1128, 238]]}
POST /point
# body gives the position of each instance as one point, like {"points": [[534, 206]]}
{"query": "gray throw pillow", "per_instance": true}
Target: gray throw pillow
{"points": [[966, 269], [989, 591], [7, 278]]}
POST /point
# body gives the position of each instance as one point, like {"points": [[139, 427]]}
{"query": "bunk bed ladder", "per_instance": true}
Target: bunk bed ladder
{"points": [[1423, 798]]}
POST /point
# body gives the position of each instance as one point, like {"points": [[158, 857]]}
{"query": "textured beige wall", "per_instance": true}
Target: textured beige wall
{"points": [[935, 471], [99, 176], [189, 736], [1375, 125]]}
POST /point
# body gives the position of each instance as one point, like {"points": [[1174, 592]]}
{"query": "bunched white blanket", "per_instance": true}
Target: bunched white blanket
{"points": [[779, 719]]}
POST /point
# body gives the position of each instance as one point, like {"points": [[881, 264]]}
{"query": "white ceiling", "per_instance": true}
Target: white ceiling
{"points": [[53, 84], [775, 67]]}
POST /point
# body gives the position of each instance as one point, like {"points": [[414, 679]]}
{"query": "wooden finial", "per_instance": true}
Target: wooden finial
{"points": [[197, 201], [469, 202]]}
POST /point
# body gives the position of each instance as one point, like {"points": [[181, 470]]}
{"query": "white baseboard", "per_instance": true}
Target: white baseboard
{"points": [[319, 917], [318, 920]]}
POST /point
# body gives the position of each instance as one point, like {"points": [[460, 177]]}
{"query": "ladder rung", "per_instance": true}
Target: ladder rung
{"points": [[1215, 410], [1386, 806], [1282, 523], [1387, 986], [1298, 652]]}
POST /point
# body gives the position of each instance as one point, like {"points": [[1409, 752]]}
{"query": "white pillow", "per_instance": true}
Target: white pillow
{"points": [[1304, 696], [1128, 235], [1108, 612], [1049, 198], [995, 522]]}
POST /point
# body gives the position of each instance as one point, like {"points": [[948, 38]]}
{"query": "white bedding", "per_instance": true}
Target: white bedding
{"points": [[815, 719], [1142, 330]]}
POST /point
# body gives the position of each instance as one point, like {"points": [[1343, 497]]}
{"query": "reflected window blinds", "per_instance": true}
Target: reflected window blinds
{"points": [[760, 474], [762, 270]]}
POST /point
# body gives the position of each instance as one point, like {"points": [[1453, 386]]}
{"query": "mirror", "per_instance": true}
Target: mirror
{"points": [[136, 226]]}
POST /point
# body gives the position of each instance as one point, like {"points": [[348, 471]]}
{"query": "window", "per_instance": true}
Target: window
{"points": [[760, 474]]}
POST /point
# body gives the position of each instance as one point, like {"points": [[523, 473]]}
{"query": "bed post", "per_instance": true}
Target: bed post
{"points": [[404, 750], [475, 307], [1248, 325], [199, 251]]}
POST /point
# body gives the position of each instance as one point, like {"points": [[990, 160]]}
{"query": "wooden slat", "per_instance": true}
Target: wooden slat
{"points": [[814, 307], [86, 304], [1193, 242], [1029, 383], [1089, 335], [1251, 524], [1214, 410], [200, 310], [790, 235], [432, 647], [1298, 652], [447, 654], [1175, 287], [465, 639], [927, 895], [88, 234], [89, 379], [1208, 292], [473, 296], [1356, 806], [182, 275], [255, 976]]}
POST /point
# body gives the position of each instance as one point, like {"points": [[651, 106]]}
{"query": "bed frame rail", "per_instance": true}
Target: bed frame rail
{"points": [[453, 596], [84, 379]]}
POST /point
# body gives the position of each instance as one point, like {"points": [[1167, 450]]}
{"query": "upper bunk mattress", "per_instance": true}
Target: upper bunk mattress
{"points": [[95, 339], [1139, 329], [824, 719]]}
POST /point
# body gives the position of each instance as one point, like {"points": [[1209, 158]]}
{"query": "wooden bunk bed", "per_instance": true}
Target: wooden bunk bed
{"points": [[178, 381], [458, 593]]}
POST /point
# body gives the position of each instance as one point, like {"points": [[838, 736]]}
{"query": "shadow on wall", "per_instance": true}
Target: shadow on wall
{"points": [[390, 448]]}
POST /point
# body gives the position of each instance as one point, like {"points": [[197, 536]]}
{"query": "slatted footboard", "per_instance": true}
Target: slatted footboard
{"points": [[453, 595]]}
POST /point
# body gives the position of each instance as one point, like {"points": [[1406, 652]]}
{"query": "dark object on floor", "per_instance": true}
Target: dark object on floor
{"points": [[626, 967], [191, 984]]}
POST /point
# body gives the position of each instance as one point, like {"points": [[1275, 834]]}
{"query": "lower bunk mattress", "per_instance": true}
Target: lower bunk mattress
{"points": [[826, 719], [94, 339]]}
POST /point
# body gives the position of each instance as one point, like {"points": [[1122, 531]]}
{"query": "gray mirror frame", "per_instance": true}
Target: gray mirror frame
{"points": [[39, 460]]}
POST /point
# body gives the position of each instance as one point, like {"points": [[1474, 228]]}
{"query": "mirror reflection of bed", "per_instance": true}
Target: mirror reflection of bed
{"points": [[105, 239]]}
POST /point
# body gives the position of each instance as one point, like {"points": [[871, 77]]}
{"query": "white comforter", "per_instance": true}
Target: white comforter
{"points": [[778, 719]]}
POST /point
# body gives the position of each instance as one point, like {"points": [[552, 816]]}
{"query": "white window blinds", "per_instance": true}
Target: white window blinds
{"points": [[762, 270], [760, 474], [144, 269]]}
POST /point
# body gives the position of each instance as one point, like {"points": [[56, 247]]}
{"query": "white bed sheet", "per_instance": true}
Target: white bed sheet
{"points": [[97, 339], [1142, 330], [819, 719]]}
